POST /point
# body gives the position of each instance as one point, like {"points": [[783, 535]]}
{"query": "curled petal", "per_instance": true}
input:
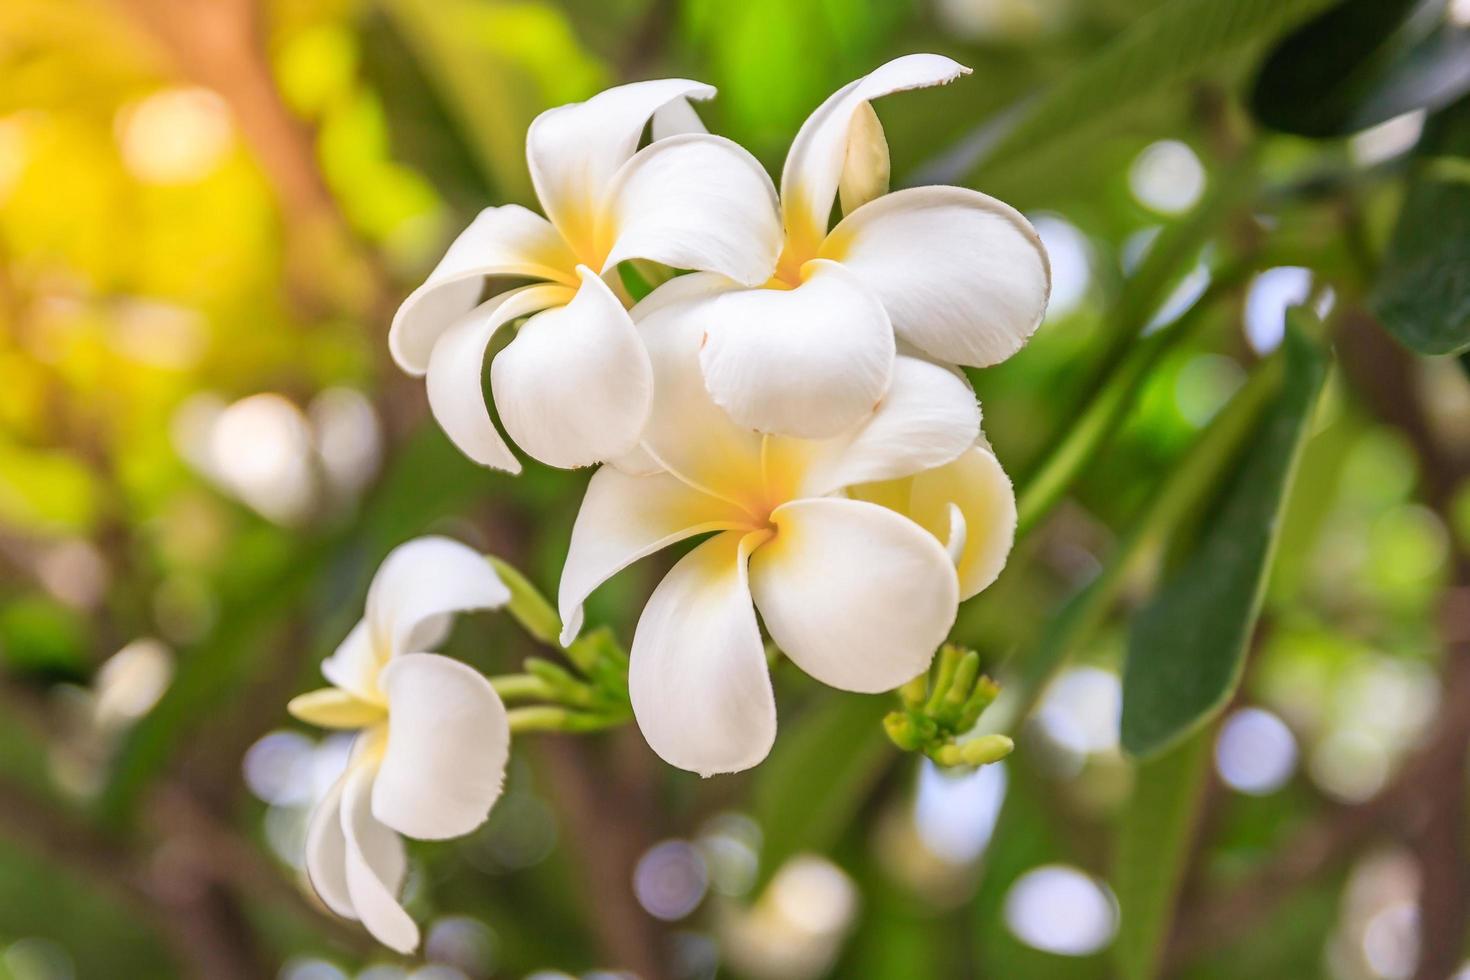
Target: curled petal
{"points": [[695, 202], [574, 386], [456, 396], [927, 418], [503, 241], [624, 518], [326, 852], [698, 679], [975, 489], [574, 150], [809, 361], [855, 594], [375, 865], [865, 170], [814, 165], [448, 743], [419, 584], [962, 276], [353, 666], [675, 118]]}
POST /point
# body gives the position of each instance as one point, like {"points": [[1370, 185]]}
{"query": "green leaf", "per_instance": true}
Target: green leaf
{"points": [[1422, 295], [1153, 847], [1172, 42], [823, 766], [1360, 63], [1187, 646]]}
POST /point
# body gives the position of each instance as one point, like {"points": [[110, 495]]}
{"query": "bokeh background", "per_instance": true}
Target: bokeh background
{"points": [[208, 213]]}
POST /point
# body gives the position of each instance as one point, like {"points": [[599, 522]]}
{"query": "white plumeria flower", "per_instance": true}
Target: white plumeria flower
{"points": [[434, 742], [573, 387], [951, 272], [856, 549]]}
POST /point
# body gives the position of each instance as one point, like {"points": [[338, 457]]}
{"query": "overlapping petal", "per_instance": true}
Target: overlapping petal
{"points": [[624, 518], [374, 863], [808, 361], [694, 201], [326, 852], [855, 594], [421, 582], [448, 744], [814, 165], [963, 276], [977, 488], [503, 241], [574, 150], [353, 666], [698, 679], [456, 395], [575, 385]]}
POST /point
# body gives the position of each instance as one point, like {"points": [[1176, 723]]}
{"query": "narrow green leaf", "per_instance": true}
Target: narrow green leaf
{"points": [[1187, 646], [1172, 42], [1152, 853], [1422, 295], [822, 767], [1360, 63]]}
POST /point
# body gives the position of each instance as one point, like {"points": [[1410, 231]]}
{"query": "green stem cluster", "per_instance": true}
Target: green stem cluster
{"points": [[940, 706]]}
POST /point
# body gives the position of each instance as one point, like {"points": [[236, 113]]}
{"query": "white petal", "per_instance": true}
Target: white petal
{"points": [[326, 852], [354, 665], [865, 169], [456, 396], [574, 387], [695, 202], [963, 276], [375, 864], [976, 486], [419, 582], [698, 679], [674, 118], [687, 433], [574, 150], [809, 361], [855, 594], [927, 418], [624, 518], [448, 743], [815, 162], [503, 241]]}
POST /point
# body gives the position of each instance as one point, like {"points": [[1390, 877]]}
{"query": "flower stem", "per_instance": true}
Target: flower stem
{"points": [[515, 686]]}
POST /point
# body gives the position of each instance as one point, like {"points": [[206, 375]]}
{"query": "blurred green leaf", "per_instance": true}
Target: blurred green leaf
{"points": [[42, 637], [1187, 647], [1422, 295], [822, 767], [1360, 63], [1175, 40], [1153, 848]]}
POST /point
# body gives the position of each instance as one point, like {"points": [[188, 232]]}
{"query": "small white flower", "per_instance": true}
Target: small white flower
{"points": [[435, 739], [948, 271], [573, 387], [839, 542]]}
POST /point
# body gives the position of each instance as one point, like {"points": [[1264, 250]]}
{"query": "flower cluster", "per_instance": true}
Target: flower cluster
{"points": [[790, 392]]}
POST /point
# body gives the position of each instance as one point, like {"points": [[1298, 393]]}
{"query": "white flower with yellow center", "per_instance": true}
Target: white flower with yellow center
{"points": [[856, 549], [950, 272], [431, 756], [573, 387]]}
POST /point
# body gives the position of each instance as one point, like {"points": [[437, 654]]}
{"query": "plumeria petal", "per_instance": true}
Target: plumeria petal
{"points": [[694, 201], [687, 433], [326, 852], [332, 707], [353, 666], [927, 418], [700, 688], [809, 361], [624, 518], [456, 396], [814, 165], [574, 150], [375, 864], [963, 276], [574, 386], [503, 241], [420, 582], [865, 169], [674, 118], [975, 488], [855, 594], [448, 743]]}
